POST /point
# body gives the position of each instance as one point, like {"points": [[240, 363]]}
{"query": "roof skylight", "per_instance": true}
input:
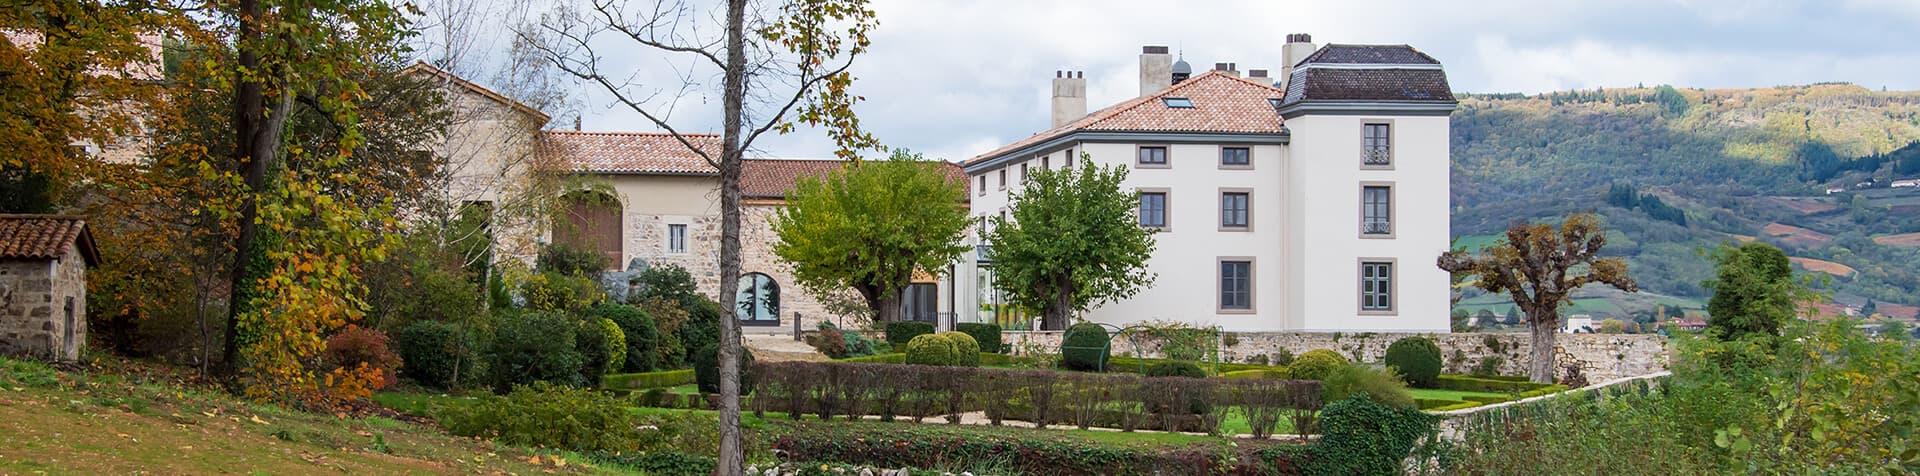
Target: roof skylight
{"points": [[1178, 103]]}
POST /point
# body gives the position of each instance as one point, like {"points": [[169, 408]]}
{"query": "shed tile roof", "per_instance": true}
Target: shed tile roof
{"points": [[45, 237], [775, 178], [630, 152], [1222, 103]]}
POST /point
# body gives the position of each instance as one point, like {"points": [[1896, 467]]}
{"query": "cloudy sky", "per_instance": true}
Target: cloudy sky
{"points": [[952, 79]]}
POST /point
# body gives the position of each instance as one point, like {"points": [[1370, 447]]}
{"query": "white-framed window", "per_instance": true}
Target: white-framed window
{"points": [[676, 238]]}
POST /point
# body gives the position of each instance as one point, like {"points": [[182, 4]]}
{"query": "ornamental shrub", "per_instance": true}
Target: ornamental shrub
{"points": [[900, 332], [560, 292], [706, 370], [829, 341], [1176, 369], [966, 351], [596, 350], [1282, 356], [638, 329], [438, 354], [1361, 436], [930, 349], [1316, 364], [533, 347], [616, 344], [1417, 359], [356, 345], [1085, 347], [569, 260], [548, 415], [986, 333], [1382, 385]]}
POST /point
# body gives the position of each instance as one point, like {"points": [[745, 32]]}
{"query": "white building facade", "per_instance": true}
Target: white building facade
{"points": [[1317, 202]]}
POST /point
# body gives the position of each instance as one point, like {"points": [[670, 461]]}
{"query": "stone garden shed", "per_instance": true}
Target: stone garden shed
{"points": [[43, 285]]}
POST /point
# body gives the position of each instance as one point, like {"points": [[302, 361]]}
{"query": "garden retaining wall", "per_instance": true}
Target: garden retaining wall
{"points": [[1603, 356]]}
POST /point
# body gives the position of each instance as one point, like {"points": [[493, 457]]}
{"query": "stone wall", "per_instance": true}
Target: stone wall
{"points": [[34, 300], [1604, 356], [756, 255]]}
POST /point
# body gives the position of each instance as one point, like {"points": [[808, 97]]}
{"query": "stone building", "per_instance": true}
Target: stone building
{"points": [[43, 285]]}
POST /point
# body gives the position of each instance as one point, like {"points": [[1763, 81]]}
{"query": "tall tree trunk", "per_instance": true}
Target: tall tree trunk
{"points": [[889, 308], [1545, 324], [249, 102], [1059, 313], [732, 455]]}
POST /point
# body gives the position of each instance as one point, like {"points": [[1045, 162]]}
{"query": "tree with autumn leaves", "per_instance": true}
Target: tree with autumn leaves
{"points": [[1540, 266]]}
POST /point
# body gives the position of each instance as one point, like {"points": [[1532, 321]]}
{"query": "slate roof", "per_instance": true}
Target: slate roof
{"points": [[44, 237], [1368, 54], [775, 178], [1222, 103], [630, 152], [1368, 73]]}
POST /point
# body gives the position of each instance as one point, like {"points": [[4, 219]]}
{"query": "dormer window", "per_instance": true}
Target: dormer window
{"points": [[1178, 103]]}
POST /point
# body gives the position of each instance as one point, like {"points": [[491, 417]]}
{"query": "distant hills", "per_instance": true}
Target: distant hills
{"points": [[1677, 171]]}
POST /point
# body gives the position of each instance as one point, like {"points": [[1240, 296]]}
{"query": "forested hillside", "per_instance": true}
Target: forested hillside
{"points": [[1677, 171]]}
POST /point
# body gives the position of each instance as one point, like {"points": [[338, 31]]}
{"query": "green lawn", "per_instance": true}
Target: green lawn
{"points": [[1451, 394]]}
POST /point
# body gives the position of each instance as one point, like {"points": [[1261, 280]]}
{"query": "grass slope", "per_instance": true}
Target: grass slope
{"points": [[119, 418]]}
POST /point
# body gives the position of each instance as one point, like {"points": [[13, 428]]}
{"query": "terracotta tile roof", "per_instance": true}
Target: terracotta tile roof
{"points": [[630, 152], [41, 237], [1222, 103], [775, 178]]}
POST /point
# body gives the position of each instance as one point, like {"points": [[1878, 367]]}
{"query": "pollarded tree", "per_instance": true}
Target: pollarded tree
{"points": [[1540, 266], [1072, 243], [869, 225]]}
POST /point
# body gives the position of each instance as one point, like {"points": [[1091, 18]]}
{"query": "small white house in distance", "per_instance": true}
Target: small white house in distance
{"points": [[1577, 324], [1313, 200]]}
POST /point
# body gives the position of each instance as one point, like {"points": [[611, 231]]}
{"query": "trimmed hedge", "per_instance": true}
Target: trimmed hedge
{"points": [[1476, 384], [1416, 358], [1139, 365], [987, 334], [893, 358], [706, 370], [898, 333], [1547, 390], [1175, 369], [1456, 406], [1431, 403], [1004, 360], [643, 380], [1488, 399], [1279, 373], [1120, 400]]}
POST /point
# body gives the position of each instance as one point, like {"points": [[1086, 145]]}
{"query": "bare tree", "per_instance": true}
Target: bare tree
{"points": [[1540, 267], [779, 67]]}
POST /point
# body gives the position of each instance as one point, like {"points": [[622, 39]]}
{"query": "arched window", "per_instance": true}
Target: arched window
{"points": [[592, 223], [759, 300]]}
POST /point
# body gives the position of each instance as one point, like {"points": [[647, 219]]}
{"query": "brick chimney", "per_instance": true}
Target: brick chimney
{"points": [[1298, 47], [1069, 96], [1156, 69], [1229, 68]]}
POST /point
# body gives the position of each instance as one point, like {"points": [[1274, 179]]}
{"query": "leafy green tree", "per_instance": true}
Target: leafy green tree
{"points": [[1073, 242], [1512, 318], [1540, 267], [1753, 291], [870, 225]]}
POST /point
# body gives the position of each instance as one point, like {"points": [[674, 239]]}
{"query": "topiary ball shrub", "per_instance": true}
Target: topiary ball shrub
{"points": [[931, 349], [596, 350], [986, 333], [641, 334], [706, 370], [900, 332], [1085, 348], [1361, 436], [1417, 359], [1176, 369], [1316, 364], [966, 351], [438, 354]]}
